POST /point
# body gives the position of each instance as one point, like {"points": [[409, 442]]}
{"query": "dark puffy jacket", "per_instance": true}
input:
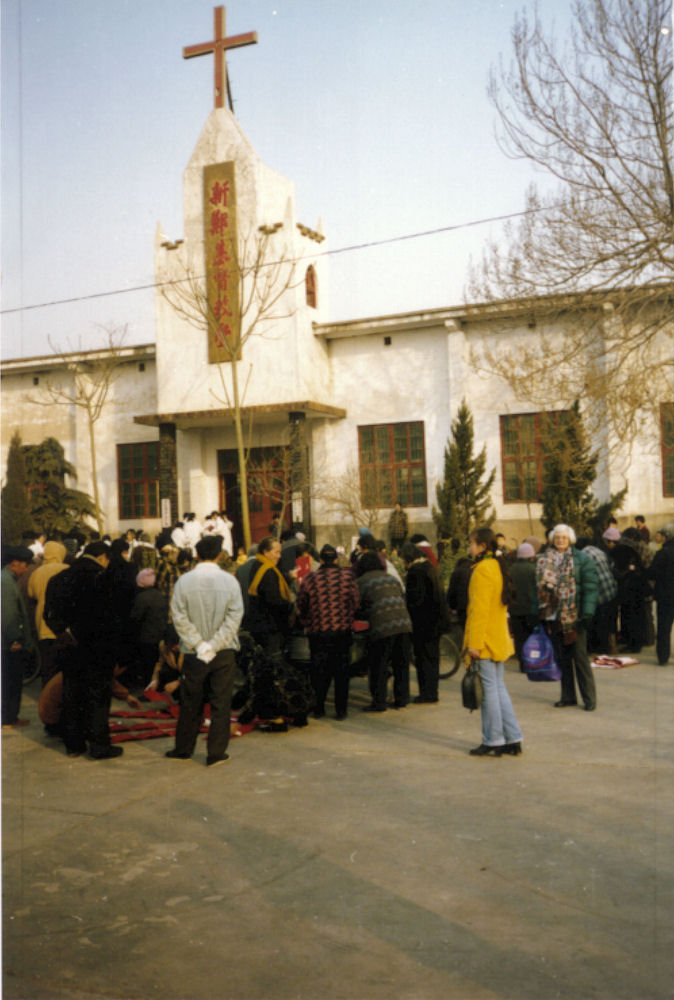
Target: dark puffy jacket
{"points": [[661, 572], [149, 615], [425, 599]]}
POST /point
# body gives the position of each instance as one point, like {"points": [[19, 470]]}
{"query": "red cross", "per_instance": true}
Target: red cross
{"points": [[218, 46]]}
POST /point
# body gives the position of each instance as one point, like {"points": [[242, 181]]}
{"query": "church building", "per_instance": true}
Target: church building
{"points": [[336, 421]]}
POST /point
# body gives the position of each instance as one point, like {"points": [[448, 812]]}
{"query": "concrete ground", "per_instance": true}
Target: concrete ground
{"points": [[371, 859]]}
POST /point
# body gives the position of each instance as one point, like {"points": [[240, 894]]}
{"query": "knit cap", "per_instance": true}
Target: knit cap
{"points": [[611, 534], [146, 578], [525, 551]]}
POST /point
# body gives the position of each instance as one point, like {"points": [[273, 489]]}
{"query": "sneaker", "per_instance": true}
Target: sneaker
{"points": [[212, 761], [174, 755]]}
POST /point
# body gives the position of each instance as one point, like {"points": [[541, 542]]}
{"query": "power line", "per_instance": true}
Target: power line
{"points": [[325, 253]]}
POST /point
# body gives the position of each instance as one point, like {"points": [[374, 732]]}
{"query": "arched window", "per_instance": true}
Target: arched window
{"points": [[310, 286]]}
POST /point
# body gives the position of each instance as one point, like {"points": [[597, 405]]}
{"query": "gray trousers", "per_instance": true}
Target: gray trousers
{"points": [[200, 683]]}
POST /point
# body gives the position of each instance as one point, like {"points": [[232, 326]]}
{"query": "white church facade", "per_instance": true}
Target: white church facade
{"points": [[367, 405]]}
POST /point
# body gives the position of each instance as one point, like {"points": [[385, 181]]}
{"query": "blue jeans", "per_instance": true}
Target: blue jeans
{"points": [[499, 724]]}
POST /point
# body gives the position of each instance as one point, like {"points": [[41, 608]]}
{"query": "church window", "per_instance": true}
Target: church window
{"points": [[392, 464], [667, 445], [525, 444], [311, 287], [138, 480]]}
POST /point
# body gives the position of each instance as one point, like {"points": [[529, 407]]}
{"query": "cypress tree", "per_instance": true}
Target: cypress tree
{"points": [[53, 505], [463, 498], [15, 505], [568, 474]]}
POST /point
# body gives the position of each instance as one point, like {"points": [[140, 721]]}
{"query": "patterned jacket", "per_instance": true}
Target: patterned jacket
{"points": [[382, 604], [607, 587], [327, 600]]}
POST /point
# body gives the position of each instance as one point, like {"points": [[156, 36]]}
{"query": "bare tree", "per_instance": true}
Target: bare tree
{"points": [[595, 250], [86, 382], [265, 276], [343, 498]]}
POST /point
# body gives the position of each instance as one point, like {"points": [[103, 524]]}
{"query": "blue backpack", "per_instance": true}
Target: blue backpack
{"points": [[538, 657]]}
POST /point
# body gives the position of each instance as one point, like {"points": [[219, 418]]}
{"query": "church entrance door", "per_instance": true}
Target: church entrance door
{"points": [[268, 489]]}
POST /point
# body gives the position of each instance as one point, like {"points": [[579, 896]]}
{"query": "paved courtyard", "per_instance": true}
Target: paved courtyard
{"points": [[371, 859]]}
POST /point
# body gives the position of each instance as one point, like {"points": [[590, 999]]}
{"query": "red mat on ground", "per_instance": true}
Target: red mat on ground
{"points": [[157, 721]]}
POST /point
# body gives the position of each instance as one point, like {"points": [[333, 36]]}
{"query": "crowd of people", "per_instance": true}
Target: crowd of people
{"points": [[182, 616]]}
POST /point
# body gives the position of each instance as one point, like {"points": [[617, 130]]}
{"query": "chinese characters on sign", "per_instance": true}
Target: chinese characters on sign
{"points": [[222, 272]]}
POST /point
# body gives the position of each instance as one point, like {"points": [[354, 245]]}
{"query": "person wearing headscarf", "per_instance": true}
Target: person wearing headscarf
{"points": [[149, 617], [53, 563], [522, 609], [566, 582]]}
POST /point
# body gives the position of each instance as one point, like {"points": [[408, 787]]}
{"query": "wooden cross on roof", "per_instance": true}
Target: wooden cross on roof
{"points": [[218, 46]]}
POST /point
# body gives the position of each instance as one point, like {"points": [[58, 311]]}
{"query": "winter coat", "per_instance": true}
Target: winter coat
{"points": [[661, 572], [54, 554], [487, 621], [149, 615], [327, 601], [382, 604], [425, 599]]}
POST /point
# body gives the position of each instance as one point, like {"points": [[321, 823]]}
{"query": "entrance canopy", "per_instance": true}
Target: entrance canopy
{"points": [[268, 413]]}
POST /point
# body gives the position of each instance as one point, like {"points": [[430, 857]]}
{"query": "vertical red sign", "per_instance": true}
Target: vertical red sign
{"points": [[222, 269]]}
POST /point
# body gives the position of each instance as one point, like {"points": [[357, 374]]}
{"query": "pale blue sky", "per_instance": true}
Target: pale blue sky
{"points": [[377, 109]]}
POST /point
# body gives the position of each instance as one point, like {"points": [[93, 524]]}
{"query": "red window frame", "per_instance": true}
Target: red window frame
{"points": [[138, 480], [523, 454], [392, 463]]}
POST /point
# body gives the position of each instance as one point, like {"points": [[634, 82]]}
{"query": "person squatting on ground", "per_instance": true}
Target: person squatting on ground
{"points": [[427, 607], [326, 607], [488, 642], [566, 581], [382, 605], [207, 609]]}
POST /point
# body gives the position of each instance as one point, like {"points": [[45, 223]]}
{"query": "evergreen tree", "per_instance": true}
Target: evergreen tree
{"points": [[463, 498], [15, 508], [53, 505], [569, 472]]}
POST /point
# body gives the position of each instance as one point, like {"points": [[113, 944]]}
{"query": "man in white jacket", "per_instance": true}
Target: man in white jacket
{"points": [[207, 609]]}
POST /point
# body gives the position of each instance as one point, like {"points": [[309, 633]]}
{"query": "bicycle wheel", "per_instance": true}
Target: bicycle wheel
{"points": [[450, 653], [31, 667]]}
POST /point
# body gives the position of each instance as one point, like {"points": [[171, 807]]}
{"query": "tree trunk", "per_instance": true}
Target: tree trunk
{"points": [[243, 474], [94, 472]]}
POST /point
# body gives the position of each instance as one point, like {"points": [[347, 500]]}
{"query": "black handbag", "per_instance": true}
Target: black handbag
{"points": [[471, 688]]}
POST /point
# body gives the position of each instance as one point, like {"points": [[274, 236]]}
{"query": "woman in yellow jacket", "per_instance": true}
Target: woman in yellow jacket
{"points": [[489, 643]]}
